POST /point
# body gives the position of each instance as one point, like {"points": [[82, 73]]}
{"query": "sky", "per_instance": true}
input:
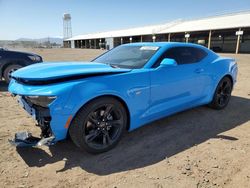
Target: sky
{"points": [[43, 18]]}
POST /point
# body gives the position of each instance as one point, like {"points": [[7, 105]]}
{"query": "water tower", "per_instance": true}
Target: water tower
{"points": [[67, 30]]}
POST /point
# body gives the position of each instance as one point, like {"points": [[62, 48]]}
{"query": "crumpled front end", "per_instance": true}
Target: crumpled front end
{"points": [[46, 105], [43, 90], [43, 118]]}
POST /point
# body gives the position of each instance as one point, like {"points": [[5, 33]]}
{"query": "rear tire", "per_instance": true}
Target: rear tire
{"points": [[8, 70], [222, 94], [99, 125]]}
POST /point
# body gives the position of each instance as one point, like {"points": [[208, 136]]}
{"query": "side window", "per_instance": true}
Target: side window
{"points": [[186, 55], [183, 55], [198, 53]]}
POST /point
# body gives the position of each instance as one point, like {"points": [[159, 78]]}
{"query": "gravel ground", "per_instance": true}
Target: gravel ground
{"points": [[196, 148]]}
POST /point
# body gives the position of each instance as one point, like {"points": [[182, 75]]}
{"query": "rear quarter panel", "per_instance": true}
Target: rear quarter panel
{"points": [[221, 67]]}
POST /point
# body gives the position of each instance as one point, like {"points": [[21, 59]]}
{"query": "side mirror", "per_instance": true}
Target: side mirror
{"points": [[167, 62]]}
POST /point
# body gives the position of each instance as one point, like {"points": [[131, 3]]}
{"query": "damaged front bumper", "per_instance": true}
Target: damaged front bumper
{"points": [[24, 139], [48, 105], [43, 118]]}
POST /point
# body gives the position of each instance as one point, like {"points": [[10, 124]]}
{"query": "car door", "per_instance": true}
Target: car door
{"points": [[176, 88]]}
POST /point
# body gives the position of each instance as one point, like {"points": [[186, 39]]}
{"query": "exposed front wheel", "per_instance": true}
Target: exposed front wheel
{"points": [[10, 69], [99, 125], [222, 94]]}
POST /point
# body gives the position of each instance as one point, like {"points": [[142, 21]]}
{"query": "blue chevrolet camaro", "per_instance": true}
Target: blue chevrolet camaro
{"points": [[123, 89]]}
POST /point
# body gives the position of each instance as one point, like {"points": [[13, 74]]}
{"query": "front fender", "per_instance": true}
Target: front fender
{"points": [[133, 88], [87, 91]]}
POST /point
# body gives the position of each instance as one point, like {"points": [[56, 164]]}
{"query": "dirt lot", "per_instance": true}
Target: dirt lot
{"points": [[196, 148]]}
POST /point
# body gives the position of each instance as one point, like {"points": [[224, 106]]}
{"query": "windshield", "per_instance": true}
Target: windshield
{"points": [[133, 57]]}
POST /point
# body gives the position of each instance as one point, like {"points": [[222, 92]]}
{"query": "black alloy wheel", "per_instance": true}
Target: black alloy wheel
{"points": [[222, 94], [99, 125]]}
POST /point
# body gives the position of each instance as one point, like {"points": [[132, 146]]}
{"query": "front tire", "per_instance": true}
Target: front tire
{"points": [[222, 94], [99, 125], [10, 69]]}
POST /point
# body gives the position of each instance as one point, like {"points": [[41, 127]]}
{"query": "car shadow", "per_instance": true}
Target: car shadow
{"points": [[3, 86], [150, 144]]}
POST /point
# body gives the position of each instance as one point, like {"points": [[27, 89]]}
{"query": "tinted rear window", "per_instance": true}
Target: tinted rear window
{"points": [[183, 55], [186, 55]]}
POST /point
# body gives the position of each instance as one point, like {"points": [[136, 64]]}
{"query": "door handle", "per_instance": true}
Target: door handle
{"points": [[199, 70]]}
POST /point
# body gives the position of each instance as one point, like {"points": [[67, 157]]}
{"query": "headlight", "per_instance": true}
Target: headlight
{"points": [[34, 58], [42, 101]]}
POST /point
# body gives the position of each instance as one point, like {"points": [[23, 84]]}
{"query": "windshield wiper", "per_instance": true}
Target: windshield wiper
{"points": [[114, 66]]}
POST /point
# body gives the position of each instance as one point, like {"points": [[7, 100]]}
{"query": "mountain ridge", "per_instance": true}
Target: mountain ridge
{"points": [[57, 40]]}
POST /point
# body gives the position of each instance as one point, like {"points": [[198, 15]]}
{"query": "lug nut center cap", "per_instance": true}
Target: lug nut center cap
{"points": [[102, 124]]}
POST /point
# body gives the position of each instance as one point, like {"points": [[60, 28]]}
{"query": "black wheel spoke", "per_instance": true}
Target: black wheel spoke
{"points": [[115, 123], [227, 89], [106, 138], [227, 85], [93, 119], [92, 135], [218, 95], [219, 100], [107, 111]]}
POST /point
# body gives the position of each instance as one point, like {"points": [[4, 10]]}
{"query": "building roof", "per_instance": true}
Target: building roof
{"points": [[228, 21]]}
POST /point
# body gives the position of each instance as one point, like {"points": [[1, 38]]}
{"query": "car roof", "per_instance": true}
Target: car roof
{"points": [[165, 44]]}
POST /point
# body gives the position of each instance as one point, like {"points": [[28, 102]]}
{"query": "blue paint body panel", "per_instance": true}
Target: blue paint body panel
{"points": [[63, 69], [149, 93]]}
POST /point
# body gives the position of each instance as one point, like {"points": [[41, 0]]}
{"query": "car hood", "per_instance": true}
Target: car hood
{"points": [[60, 70]]}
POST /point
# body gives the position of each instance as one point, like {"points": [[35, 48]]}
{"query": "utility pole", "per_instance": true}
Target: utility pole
{"points": [[209, 39], [239, 34]]}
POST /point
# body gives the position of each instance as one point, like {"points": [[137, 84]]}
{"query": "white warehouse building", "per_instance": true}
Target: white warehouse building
{"points": [[222, 33]]}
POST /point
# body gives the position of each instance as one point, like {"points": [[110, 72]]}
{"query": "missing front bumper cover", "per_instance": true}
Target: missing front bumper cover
{"points": [[43, 118], [24, 139]]}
